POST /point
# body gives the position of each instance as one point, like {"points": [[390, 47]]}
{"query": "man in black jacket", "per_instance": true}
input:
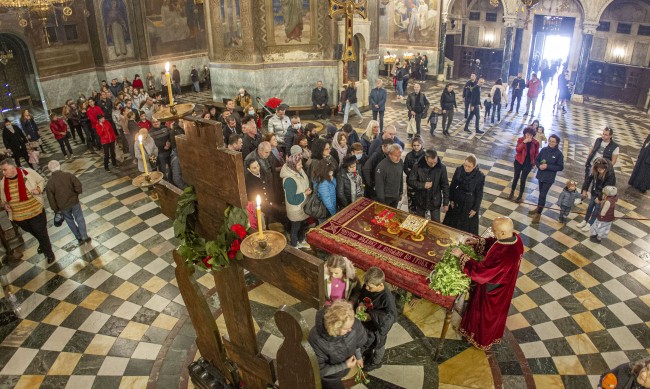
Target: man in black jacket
{"points": [[369, 168], [388, 177], [160, 135], [603, 147], [518, 85], [417, 105], [475, 102], [467, 92], [429, 178], [319, 99]]}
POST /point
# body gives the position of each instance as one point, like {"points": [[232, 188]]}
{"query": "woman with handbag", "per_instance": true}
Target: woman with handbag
{"points": [[296, 192]]}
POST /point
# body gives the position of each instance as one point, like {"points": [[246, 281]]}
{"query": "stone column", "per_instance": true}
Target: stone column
{"points": [[588, 30], [509, 23], [441, 45], [516, 52]]}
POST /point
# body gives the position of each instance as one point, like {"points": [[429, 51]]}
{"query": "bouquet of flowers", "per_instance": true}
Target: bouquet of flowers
{"points": [[448, 278]]}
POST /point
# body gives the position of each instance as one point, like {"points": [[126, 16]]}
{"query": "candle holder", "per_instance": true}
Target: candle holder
{"points": [[174, 112], [147, 180], [267, 246]]}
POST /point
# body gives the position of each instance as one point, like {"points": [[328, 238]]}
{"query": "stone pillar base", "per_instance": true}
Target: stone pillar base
{"points": [[441, 77], [577, 98]]}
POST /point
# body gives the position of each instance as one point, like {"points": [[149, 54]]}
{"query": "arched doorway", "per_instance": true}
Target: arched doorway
{"points": [[19, 85]]}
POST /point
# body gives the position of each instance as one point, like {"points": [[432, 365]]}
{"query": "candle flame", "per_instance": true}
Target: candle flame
{"points": [[167, 67], [259, 201], [140, 138]]}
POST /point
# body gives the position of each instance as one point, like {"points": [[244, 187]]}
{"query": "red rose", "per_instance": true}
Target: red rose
{"points": [[205, 261], [232, 254], [239, 230], [235, 246]]}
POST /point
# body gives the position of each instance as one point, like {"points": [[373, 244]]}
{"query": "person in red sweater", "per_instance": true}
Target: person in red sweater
{"points": [[107, 137], [527, 150], [144, 123], [60, 130], [137, 82]]}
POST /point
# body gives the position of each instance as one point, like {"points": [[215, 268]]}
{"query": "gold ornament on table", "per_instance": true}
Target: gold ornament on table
{"points": [[414, 226]]}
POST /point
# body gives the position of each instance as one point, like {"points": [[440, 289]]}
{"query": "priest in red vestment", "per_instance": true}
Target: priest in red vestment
{"points": [[495, 277]]}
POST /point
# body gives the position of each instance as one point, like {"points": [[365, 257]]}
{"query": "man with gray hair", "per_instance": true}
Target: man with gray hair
{"points": [[319, 98], [63, 190], [388, 177]]}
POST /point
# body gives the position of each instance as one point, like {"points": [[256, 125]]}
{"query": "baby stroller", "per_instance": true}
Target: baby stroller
{"points": [[268, 109]]}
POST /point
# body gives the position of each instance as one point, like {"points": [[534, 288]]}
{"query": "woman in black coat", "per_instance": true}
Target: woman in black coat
{"points": [[30, 129], [449, 106], [465, 196], [15, 140], [417, 151], [349, 185], [337, 339], [640, 179]]}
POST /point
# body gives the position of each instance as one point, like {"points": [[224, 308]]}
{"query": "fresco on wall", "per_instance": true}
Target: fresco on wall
{"points": [[231, 23], [415, 21], [116, 29], [175, 26], [292, 21]]}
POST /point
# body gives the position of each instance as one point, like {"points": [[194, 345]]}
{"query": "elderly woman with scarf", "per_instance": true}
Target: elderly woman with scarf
{"points": [[296, 189]]}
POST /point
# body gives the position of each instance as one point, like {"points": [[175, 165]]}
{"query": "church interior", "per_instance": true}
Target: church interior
{"points": [[128, 309]]}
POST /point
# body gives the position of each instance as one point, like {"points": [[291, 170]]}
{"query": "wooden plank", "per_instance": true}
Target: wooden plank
{"points": [[294, 272], [168, 195], [296, 360], [208, 339], [236, 308], [256, 365]]}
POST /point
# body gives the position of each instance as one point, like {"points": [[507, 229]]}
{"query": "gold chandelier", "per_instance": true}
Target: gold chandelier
{"points": [[36, 9]]}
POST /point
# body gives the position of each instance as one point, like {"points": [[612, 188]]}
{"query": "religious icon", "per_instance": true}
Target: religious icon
{"points": [[231, 22], [291, 21], [415, 20], [116, 26], [175, 26]]}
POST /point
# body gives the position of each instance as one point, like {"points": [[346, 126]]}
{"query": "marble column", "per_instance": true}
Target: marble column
{"points": [[441, 46], [516, 51], [588, 30], [507, 47]]}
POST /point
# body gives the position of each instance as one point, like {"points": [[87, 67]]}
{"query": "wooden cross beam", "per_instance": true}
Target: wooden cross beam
{"points": [[349, 8]]}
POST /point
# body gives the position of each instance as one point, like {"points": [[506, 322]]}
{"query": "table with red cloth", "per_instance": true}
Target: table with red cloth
{"points": [[406, 260]]}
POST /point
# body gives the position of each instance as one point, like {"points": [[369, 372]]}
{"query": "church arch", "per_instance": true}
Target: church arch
{"points": [[19, 76]]}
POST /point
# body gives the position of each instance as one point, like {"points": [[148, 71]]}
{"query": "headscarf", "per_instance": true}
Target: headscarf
{"points": [[292, 161]]}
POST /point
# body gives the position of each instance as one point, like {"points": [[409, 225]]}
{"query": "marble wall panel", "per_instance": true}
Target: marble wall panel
{"points": [[291, 83], [57, 90]]}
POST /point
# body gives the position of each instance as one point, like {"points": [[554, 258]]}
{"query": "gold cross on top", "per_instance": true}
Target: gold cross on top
{"points": [[349, 8]]}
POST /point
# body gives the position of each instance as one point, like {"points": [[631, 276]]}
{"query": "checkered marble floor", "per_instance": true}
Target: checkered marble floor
{"points": [[109, 314]]}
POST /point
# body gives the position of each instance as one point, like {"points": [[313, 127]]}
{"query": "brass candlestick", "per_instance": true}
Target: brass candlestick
{"points": [[267, 246]]}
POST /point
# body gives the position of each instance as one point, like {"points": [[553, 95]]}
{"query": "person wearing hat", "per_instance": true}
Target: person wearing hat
{"points": [[279, 122], [15, 140], [243, 98], [603, 223]]}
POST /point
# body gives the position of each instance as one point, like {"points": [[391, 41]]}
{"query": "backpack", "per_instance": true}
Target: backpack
{"points": [[497, 96]]}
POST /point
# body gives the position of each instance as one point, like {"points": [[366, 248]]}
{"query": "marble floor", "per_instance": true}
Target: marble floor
{"points": [[109, 314]]}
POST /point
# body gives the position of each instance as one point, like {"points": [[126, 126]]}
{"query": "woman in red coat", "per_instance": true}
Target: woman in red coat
{"points": [[527, 150], [137, 82], [60, 130], [495, 277], [107, 137]]}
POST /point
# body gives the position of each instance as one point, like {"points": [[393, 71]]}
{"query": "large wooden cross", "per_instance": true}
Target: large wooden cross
{"points": [[218, 178], [349, 8]]}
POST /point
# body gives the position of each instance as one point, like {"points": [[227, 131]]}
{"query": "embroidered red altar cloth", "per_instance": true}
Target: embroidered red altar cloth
{"points": [[405, 260]]}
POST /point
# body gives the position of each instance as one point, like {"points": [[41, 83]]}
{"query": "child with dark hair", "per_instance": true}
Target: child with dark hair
{"points": [[433, 120], [487, 103], [376, 309]]}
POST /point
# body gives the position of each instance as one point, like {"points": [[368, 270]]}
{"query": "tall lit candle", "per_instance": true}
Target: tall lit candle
{"points": [[144, 158], [169, 84], [259, 217]]}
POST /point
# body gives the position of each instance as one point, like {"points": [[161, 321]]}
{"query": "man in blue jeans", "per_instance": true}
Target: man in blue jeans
{"points": [[63, 190]]}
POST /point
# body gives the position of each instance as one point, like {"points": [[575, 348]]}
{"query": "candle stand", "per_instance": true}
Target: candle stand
{"points": [[271, 244]]}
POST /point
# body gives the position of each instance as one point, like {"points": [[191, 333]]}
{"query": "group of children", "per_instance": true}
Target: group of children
{"points": [[374, 300], [571, 197]]}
